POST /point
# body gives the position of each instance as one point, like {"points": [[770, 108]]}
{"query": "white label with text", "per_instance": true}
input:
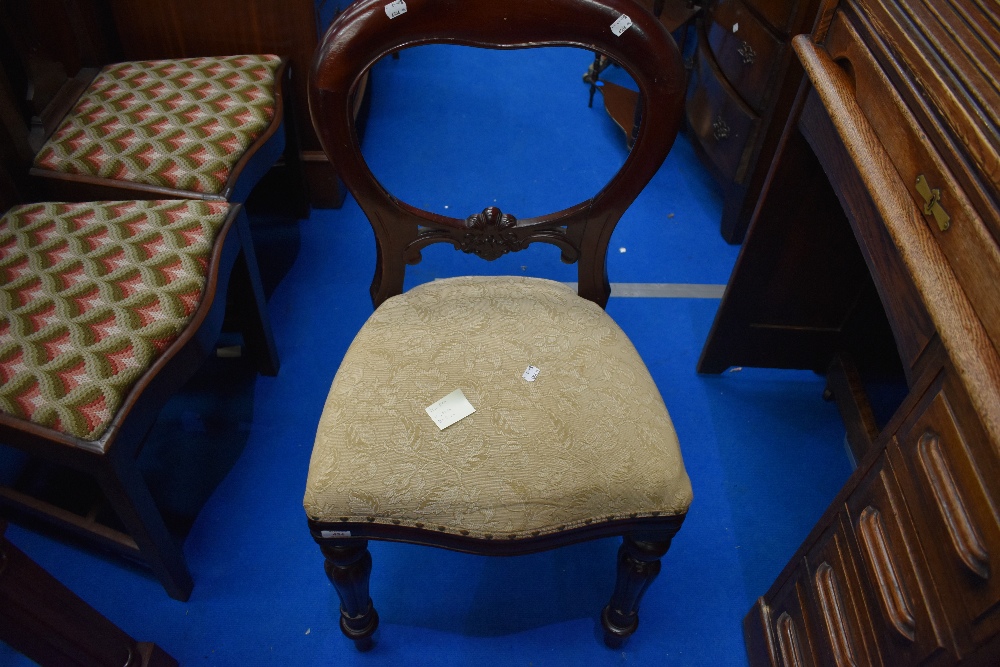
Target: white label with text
{"points": [[394, 9], [450, 409], [622, 24], [334, 533]]}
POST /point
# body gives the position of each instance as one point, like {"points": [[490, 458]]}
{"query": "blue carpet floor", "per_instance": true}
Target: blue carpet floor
{"points": [[229, 455]]}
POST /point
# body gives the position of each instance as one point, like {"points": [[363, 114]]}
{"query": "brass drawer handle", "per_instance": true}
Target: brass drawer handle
{"points": [[964, 536], [720, 129], [747, 54], [932, 203], [834, 617], [893, 594], [788, 641]]}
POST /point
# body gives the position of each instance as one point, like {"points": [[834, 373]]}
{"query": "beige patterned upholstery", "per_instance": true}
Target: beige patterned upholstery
{"points": [[585, 442]]}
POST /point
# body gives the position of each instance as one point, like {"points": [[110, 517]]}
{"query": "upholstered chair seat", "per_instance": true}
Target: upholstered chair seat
{"points": [[180, 125], [584, 442]]}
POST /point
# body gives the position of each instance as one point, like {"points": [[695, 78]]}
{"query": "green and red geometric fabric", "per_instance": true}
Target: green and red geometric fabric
{"points": [[180, 124], [90, 295]]}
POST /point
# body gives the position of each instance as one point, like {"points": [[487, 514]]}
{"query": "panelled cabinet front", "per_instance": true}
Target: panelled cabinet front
{"points": [[902, 569]]}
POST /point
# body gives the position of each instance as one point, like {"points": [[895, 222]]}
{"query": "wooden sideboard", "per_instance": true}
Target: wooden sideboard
{"points": [[880, 221], [739, 98]]}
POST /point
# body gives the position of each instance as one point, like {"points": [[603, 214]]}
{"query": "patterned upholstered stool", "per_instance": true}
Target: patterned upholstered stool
{"points": [[204, 128], [105, 309]]}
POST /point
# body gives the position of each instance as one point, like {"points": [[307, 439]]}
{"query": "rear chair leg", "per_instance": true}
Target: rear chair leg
{"points": [[129, 496], [349, 567], [249, 296], [638, 565]]}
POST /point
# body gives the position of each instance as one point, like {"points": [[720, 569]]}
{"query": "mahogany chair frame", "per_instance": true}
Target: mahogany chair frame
{"points": [[112, 459], [360, 37]]}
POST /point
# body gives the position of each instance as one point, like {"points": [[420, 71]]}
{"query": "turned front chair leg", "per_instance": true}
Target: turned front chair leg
{"points": [[638, 565], [349, 567]]}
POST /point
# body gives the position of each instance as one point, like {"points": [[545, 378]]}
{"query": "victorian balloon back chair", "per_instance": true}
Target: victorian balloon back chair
{"points": [[582, 446]]}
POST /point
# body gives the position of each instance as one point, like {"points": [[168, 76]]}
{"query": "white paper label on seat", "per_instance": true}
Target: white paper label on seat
{"points": [[450, 409], [736, 26], [334, 533], [394, 9], [621, 24], [531, 373]]}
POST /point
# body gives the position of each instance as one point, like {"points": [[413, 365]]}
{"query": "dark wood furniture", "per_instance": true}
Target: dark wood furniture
{"points": [[135, 527], [620, 102], [44, 78], [65, 36], [81, 184], [44, 44], [47, 42], [739, 97], [185, 28], [886, 185], [50, 624], [362, 35]]}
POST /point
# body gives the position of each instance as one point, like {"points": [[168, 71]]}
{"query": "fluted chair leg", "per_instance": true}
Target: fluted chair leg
{"points": [[638, 565], [349, 567]]}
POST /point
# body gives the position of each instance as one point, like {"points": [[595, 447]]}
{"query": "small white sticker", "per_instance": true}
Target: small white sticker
{"points": [[334, 533], [394, 9], [621, 24], [736, 26], [450, 409], [531, 373]]}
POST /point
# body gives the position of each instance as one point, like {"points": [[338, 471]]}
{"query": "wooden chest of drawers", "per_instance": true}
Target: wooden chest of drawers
{"points": [[737, 105], [889, 160]]}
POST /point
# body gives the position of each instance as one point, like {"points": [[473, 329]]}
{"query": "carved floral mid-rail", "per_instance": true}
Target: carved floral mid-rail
{"points": [[491, 234]]}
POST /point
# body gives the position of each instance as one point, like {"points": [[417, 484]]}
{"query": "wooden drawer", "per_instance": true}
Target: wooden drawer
{"points": [[721, 121], [903, 603], [950, 476], [790, 625], [747, 54], [843, 626], [967, 243]]}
